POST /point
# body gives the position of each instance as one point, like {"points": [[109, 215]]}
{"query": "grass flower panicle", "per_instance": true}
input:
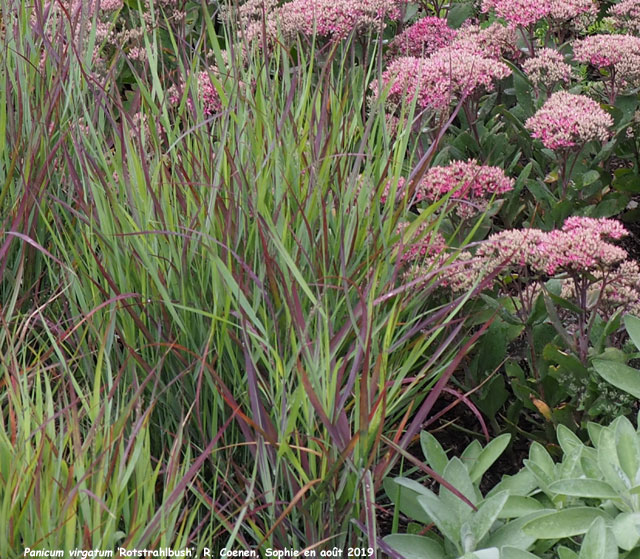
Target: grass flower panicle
{"points": [[567, 120], [547, 68]]}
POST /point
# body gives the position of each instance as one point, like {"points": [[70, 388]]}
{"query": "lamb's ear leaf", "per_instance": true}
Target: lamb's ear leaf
{"points": [[598, 542], [415, 547], [564, 523], [488, 456]]}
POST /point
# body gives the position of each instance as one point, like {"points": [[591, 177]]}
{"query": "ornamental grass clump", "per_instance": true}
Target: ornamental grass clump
{"points": [[617, 55], [564, 124]]}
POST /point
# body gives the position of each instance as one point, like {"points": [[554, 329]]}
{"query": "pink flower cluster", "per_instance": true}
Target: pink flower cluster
{"points": [[567, 120], [471, 185], [518, 12], [447, 75], [207, 93], [616, 52], [333, 19], [496, 41], [423, 244], [547, 68], [565, 10], [422, 38], [626, 15], [580, 246]]}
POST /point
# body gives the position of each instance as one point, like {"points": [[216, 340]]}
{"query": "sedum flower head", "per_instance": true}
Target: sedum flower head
{"points": [[567, 120], [547, 68], [422, 38], [580, 246], [626, 15], [518, 12], [333, 19], [446, 76], [208, 95], [423, 243], [471, 185], [583, 12], [620, 53], [496, 41]]}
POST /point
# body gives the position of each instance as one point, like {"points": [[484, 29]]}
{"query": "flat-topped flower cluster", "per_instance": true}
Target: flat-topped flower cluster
{"points": [[568, 120], [447, 75], [547, 68], [582, 248]]}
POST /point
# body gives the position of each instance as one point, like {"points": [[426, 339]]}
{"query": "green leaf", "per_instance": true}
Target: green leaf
{"points": [[433, 452], [457, 475], [541, 192], [539, 456], [628, 449], [415, 547], [569, 441], [517, 506], [511, 534], [563, 523], [489, 553], [522, 484], [608, 460], [620, 375], [632, 324], [523, 89], [598, 542], [590, 177], [594, 430], [626, 530], [508, 552], [445, 519], [588, 488], [627, 183], [483, 519], [488, 456], [459, 12], [566, 553], [470, 454], [404, 494]]}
